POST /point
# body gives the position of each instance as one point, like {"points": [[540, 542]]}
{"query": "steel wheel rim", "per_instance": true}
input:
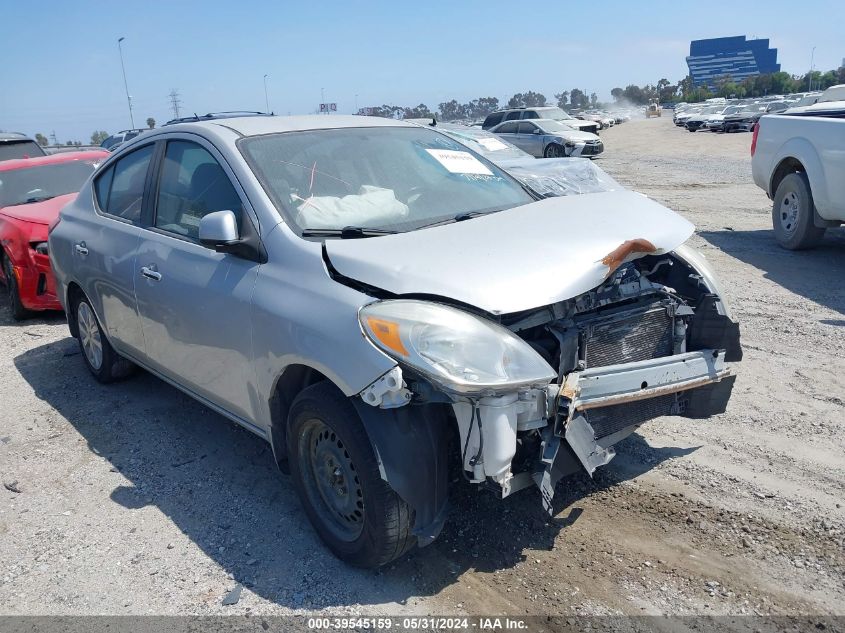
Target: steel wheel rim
{"points": [[789, 209], [89, 335], [331, 481]]}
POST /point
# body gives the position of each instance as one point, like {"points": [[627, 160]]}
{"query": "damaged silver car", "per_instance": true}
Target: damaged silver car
{"points": [[376, 299]]}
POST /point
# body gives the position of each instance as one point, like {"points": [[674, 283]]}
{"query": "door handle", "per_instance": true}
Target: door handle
{"points": [[149, 273], [81, 249]]}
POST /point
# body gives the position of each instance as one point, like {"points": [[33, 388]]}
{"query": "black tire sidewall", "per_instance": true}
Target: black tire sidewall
{"points": [[326, 403], [19, 312], [806, 234]]}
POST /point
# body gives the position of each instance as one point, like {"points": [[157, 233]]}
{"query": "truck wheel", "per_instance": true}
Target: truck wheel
{"points": [[336, 475], [792, 214], [105, 363], [19, 312]]}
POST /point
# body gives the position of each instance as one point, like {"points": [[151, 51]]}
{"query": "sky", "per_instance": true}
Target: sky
{"points": [[60, 66]]}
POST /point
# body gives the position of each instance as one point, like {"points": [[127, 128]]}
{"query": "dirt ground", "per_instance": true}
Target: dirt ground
{"points": [[133, 499]]}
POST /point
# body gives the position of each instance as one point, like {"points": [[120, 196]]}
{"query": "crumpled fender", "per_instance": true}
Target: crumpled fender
{"points": [[411, 445]]}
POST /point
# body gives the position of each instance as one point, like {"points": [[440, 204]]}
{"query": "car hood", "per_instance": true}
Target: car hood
{"points": [[38, 212], [517, 259]]}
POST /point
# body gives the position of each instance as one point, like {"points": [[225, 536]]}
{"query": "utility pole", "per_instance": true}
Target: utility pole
{"points": [[266, 98], [174, 102], [810, 74], [53, 138], [125, 85]]}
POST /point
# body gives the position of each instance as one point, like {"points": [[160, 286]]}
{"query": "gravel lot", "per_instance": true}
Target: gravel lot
{"points": [[133, 499]]}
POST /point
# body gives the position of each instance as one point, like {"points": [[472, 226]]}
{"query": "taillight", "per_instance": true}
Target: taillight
{"points": [[54, 224], [754, 138]]}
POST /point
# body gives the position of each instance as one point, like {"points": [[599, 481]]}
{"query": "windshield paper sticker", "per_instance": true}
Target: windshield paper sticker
{"points": [[459, 162], [491, 144]]}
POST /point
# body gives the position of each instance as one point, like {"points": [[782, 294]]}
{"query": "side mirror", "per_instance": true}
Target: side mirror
{"points": [[219, 230], [536, 131]]}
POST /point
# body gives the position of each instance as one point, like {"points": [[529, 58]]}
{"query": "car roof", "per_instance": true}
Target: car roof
{"points": [[264, 124], [51, 159], [13, 136]]}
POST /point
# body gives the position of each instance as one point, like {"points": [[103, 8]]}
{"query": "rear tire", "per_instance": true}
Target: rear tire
{"points": [[792, 214], [100, 357], [19, 312], [336, 475]]}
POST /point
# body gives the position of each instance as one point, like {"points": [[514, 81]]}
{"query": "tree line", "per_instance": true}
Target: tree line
{"points": [[756, 86], [481, 107]]}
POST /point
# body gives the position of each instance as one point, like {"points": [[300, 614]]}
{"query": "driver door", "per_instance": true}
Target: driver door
{"points": [[195, 303], [530, 138]]}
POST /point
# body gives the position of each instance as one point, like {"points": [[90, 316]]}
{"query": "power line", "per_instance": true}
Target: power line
{"points": [[174, 102]]}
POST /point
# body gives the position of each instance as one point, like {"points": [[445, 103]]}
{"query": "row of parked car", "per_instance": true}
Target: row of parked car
{"points": [[381, 300], [740, 115]]}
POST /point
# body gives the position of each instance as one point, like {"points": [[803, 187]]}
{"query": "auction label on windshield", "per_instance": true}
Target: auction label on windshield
{"points": [[459, 162]]}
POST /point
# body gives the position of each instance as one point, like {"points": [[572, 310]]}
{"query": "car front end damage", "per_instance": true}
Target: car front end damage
{"points": [[654, 339]]}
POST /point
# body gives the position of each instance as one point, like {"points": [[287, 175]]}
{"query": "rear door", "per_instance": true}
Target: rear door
{"points": [[194, 303], [508, 131], [104, 246]]}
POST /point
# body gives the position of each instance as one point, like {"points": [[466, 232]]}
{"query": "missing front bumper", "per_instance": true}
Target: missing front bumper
{"points": [[599, 407]]}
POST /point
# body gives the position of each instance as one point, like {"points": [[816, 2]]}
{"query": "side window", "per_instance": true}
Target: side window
{"points": [[507, 128], [493, 119], [102, 186], [527, 128], [530, 114], [193, 184], [120, 189], [513, 116]]}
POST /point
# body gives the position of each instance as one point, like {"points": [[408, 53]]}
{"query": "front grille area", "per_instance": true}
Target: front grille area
{"points": [[630, 338], [592, 148], [609, 420]]}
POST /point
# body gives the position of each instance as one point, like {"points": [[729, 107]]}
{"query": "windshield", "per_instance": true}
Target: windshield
{"points": [[731, 110], [20, 149], [554, 113], [387, 178], [553, 126], [42, 182], [489, 145]]}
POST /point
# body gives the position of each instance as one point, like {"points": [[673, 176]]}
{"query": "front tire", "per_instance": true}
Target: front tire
{"points": [[102, 360], [19, 312], [336, 475], [553, 150], [792, 214]]}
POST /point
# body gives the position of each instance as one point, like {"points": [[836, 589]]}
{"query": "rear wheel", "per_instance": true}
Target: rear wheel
{"points": [[19, 312], [554, 151], [100, 357], [792, 214], [335, 472]]}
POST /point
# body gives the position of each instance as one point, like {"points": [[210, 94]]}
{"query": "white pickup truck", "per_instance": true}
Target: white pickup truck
{"points": [[799, 161]]}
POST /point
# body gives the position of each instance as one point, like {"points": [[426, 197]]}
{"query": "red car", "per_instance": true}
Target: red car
{"points": [[32, 192]]}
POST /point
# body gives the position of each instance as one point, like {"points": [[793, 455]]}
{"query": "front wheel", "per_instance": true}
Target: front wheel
{"points": [[105, 363], [336, 475], [792, 214], [19, 312], [554, 151]]}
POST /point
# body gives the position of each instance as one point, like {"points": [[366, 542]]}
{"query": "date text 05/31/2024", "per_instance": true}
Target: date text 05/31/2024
{"points": [[426, 623]]}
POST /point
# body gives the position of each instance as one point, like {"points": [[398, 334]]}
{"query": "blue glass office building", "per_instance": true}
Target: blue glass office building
{"points": [[711, 61]]}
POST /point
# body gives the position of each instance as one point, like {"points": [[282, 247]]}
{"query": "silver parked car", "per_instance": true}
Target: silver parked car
{"points": [[375, 298], [545, 138]]}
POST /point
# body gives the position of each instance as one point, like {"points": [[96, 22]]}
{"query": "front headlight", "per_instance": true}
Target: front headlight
{"points": [[698, 262], [460, 352]]}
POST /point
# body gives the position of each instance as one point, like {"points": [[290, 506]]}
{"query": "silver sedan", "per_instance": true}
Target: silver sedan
{"points": [[545, 138], [374, 298]]}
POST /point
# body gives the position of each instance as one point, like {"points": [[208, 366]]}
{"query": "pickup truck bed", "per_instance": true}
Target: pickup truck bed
{"points": [[799, 161]]}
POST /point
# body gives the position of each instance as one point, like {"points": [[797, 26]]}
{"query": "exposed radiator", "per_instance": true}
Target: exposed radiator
{"points": [[629, 338]]}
